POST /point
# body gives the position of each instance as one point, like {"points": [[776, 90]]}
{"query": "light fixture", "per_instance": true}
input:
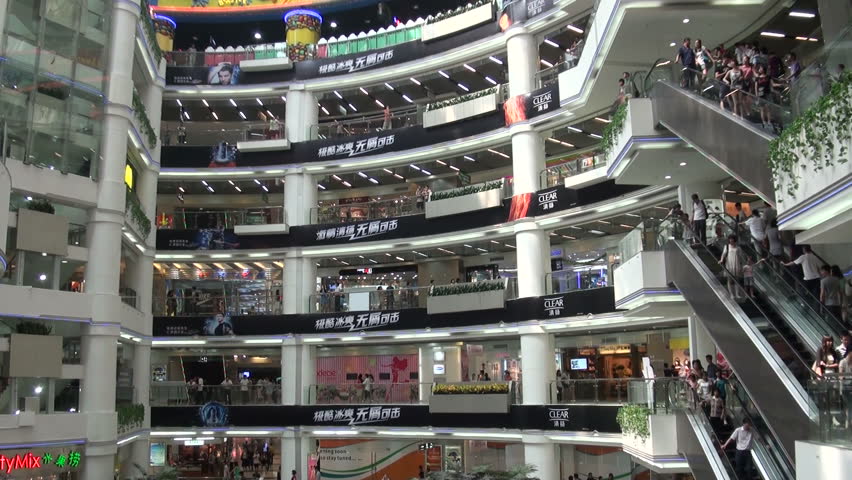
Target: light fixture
{"points": [[402, 433], [685, 20], [546, 63], [346, 184], [551, 43], [682, 164], [232, 102], [243, 115], [333, 24], [772, 34], [38, 389], [443, 74], [263, 341], [415, 167], [469, 67], [214, 115], [205, 102], [417, 82], [364, 91], [463, 87], [320, 186], [487, 435], [352, 107], [380, 104], [603, 120], [574, 129], [373, 180], [405, 97], [178, 102], [325, 111], [673, 44], [575, 29], [668, 177], [257, 36], [425, 172], [351, 339], [186, 114], [595, 135], [29, 199], [496, 60], [491, 80], [338, 94], [469, 158], [390, 87], [801, 14]]}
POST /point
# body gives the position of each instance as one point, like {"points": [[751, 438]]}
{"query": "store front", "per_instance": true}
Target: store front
{"points": [[366, 375], [217, 456]]}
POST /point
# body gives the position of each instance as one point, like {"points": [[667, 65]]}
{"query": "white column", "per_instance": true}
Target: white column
{"points": [[298, 372], [300, 278], [522, 56], [533, 254], [296, 446], [97, 398], [566, 459], [140, 450], [300, 197], [541, 452], [527, 158], [452, 364], [538, 368], [302, 114], [700, 342], [3, 7], [426, 373]]}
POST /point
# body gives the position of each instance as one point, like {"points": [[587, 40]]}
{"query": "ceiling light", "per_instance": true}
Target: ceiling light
{"points": [[346, 183], [463, 87], [363, 91], [352, 107], [204, 182], [283, 99], [179, 188], [481, 249], [325, 111], [373, 180], [390, 87], [575, 129], [400, 259], [333, 24], [257, 181], [422, 335], [597, 232], [379, 103], [491, 80], [685, 20], [405, 97], [551, 43], [320, 186], [603, 120], [399, 176], [673, 44], [682, 164], [351, 339], [496, 60], [455, 168], [487, 435], [441, 72], [205, 102], [469, 67], [418, 253], [425, 172], [406, 434], [338, 94], [668, 177], [238, 189], [446, 251], [415, 81], [495, 152], [415, 167], [441, 162], [263, 341], [243, 115], [772, 34], [595, 135], [469, 158], [214, 115], [575, 29], [546, 63], [257, 36], [186, 114], [258, 102], [211, 189], [264, 188], [232, 102], [800, 14], [362, 174]]}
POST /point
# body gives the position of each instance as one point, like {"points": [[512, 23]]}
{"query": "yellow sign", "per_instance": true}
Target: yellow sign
{"points": [[614, 349]]}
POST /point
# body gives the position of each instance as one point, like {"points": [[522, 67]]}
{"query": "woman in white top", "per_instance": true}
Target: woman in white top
{"points": [[757, 228], [734, 79], [732, 260]]}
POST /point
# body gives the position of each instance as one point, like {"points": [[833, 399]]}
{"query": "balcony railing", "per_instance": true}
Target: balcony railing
{"points": [[353, 212], [345, 127], [613, 391], [182, 394], [206, 133], [346, 301], [358, 393], [555, 176], [832, 395], [265, 302], [196, 220]]}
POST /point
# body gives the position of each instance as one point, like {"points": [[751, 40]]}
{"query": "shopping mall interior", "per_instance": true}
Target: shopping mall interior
{"points": [[399, 239]]}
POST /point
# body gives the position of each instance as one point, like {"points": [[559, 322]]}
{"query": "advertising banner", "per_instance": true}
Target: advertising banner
{"points": [[522, 10], [223, 73], [530, 105], [531, 417]]}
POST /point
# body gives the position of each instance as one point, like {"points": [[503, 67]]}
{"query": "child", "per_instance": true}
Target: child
{"points": [[748, 275], [688, 232]]}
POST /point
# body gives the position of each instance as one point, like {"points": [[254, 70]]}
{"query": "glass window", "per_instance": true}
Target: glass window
{"points": [[23, 19], [38, 270], [71, 275]]}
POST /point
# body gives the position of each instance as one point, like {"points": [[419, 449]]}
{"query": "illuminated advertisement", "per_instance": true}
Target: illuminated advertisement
{"points": [[39, 463], [231, 6], [222, 73]]}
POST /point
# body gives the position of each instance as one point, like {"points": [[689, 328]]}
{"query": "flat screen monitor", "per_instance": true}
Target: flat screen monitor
{"points": [[579, 364]]}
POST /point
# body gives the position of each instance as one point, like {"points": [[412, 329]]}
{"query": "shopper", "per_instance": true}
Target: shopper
{"points": [[368, 387], [743, 438], [826, 362], [717, 410], [245, 383], [734, 80], [227, 384], [773, 238], [274, 127], [712, 368], [831, 292], [387, 123], [732, 260], [181, 134], [810, 269], [686, 56], [758, 231], [845, 347], [699, 217]]}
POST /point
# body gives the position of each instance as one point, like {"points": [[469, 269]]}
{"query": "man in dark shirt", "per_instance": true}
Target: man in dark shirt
{"points": [[686, 57], [712, 368]]}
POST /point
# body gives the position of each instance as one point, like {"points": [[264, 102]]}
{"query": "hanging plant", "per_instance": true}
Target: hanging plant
{"points": [[633, 420], [818, 139], [613, 129], [470, 389], [460, 99], [463, 288], [130, 416], [41, 205], [468, 190], [134, 208], [144, 122], [150, 30]]}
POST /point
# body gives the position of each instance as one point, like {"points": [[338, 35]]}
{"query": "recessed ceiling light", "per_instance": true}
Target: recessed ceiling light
{"points": [[232, 102], [333, 24], [668, 177], [214, 115], [416, 82], [469, 67], [682, 164], [551, 43], [257, 36], [673, 44], [363, 90], [443, 74], [490, 80], [685, 20], [405, 97], [772, 34], [463, 87], [800, 14], [390, 87], [496, 60], [380, 104], [546, 63]]}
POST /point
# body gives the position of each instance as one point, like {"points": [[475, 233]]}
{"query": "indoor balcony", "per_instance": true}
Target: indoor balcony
{"points": [[225, 139], [245, 221]]}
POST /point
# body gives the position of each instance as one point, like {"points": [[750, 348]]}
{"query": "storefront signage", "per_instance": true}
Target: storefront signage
{"points": [[353, 149], [213, 414], [193, 443], [530, 105], [558, 417], [358, 231], [357, 323], [553, 305], [356, 64], [537, 7], [29, 461], [614, 349], [356, 416], [547, 200]]}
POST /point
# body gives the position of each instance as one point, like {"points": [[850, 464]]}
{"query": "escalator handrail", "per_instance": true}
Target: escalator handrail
{"points": [[660, 62], [835, 325], [807, 366]]}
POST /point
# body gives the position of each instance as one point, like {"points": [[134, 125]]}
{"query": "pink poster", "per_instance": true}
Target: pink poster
{"points": [[394, 378]]}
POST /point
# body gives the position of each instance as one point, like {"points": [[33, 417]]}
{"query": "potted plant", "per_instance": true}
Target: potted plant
{"points": [[461, 297], [461, 107], [464, 199], [474, 397]]}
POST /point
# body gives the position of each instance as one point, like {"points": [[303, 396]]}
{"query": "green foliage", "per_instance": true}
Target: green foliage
{"points": [[452, 13], [810, 141], [485, 472], [613, 130], [41, 205], [460, 99], [134, 208], [633, 420], [470, 389], [468, 190], [462, 288], [150, 31], [144, 122], [33, 328], [130, 416]]}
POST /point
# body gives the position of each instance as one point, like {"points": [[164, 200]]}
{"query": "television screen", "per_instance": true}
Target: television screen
{"points": [[579, 364]]}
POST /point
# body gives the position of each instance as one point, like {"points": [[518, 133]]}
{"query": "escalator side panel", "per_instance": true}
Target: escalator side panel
{"points": [[697, 447], [734, 145], [779, 398]]}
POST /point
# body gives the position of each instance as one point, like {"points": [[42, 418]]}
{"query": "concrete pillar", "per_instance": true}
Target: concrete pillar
{"points": [[97, 398], [296, 446], [302, 114], [298, 372], [522, 57], [533, 254], [300, 197], [538, 368], [527, 158], [541, 452], [299, 282], [700, 343], [566, 459], [452, 364], [426, 373]]}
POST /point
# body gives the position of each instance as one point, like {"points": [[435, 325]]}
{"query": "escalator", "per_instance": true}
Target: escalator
{"points": [[739, 146], [758, 342]]}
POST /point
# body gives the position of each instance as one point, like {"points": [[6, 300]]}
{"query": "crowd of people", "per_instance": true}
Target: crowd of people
{"points": [[242, 392]]}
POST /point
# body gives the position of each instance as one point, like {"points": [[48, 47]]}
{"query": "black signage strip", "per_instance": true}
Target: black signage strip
{"points": [[571, 304], [557, 418]]}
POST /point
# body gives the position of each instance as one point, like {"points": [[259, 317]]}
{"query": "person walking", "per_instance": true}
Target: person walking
{"points": [[712, 368], [181, 134], [831, 292], [732, 260], [686, 57], [386, 123], [717, 410], [743, 437], [699, 218]]}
